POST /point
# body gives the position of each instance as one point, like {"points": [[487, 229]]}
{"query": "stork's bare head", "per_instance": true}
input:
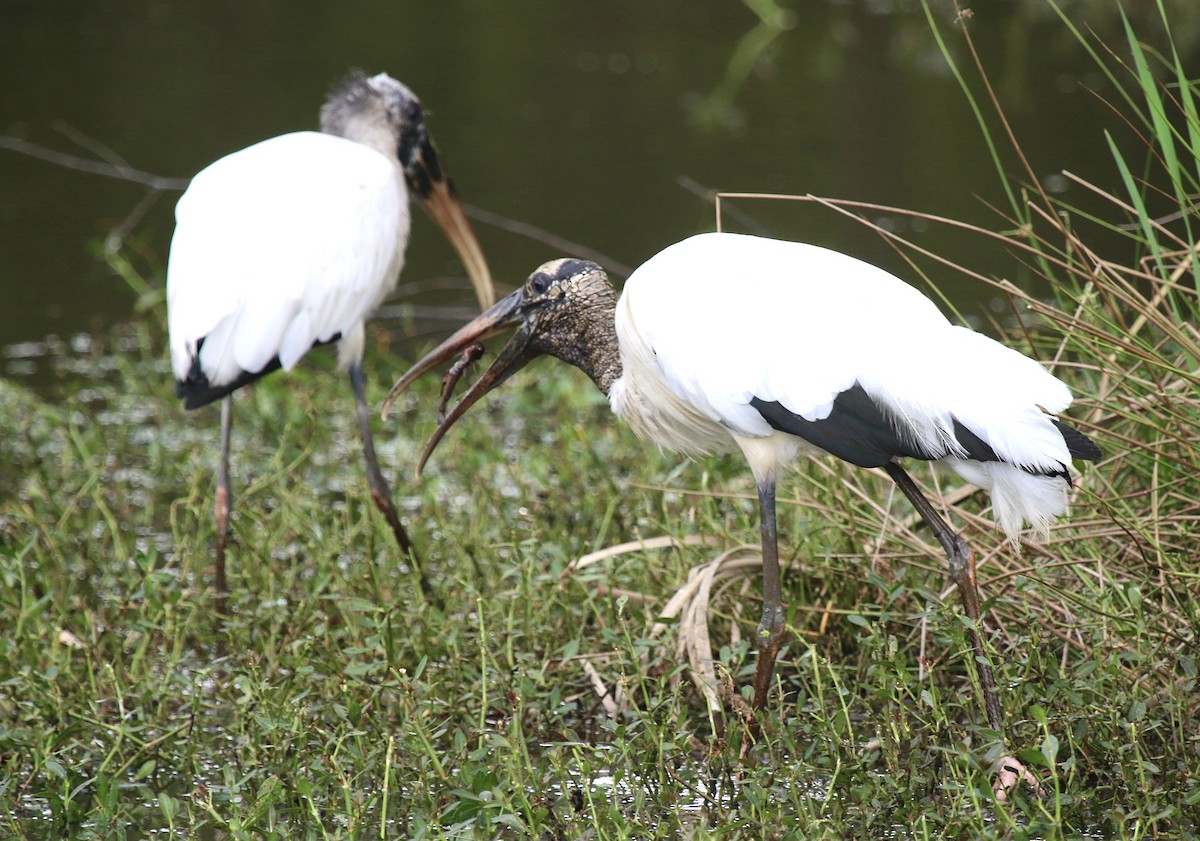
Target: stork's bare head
{"points": [[565, 309], [382, 113]]}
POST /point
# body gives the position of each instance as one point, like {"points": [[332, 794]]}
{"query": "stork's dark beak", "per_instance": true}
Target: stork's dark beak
{"points": [[428, 179], [510, 312]]}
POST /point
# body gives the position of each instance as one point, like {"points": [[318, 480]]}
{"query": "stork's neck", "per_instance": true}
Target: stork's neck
{"points": [[587, 338], [362, 129], [602, 353]]}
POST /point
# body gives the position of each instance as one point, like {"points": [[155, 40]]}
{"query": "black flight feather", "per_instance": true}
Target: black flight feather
{"points": [[859, 431], [195, 390], [1078, 444]]}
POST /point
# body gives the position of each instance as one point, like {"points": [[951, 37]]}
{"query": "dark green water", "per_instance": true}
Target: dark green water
{"points": [[581, 118]]}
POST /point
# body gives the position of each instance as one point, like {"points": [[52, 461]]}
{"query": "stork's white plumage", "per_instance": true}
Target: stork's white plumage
{"points": [[696, 340], [313, 241], [785, 350], [293, 242]]}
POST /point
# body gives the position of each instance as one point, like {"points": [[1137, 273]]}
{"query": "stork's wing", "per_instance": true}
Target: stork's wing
{"points": [[762, 334], [287, 243]]}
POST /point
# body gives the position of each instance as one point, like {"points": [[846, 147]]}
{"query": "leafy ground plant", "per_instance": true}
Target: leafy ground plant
{"points": [[524, 694]]}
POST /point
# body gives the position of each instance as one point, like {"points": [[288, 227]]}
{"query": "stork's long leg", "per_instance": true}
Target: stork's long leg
{"points": [[770, 629], [380, 492], [223, 505], [962, 573]]}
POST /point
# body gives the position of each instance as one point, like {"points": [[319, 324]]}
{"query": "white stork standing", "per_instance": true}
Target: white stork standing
{"points": [[791, 350], [292, 243]]}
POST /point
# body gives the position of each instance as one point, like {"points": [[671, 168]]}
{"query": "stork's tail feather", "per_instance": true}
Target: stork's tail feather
{"points": [[1018, 496], [1023, 495]]}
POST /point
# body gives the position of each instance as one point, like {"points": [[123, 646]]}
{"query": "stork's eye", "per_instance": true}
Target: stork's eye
{"points": [[412, 113]]}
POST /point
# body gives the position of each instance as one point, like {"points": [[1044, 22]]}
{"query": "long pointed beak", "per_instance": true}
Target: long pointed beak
{"points": [[429, 180], [516, 354]]}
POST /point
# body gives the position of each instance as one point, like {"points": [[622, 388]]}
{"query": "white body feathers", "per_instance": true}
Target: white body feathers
{"points": [[717, 320], [289, 242]]}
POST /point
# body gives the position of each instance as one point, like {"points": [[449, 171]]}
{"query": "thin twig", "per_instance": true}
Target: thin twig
{"points": [[104, 168], [566, 246]]}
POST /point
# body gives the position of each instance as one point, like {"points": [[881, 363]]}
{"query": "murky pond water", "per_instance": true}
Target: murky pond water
{"points": [[593, 121]]}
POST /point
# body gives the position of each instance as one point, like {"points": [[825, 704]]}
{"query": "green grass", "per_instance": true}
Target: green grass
{"points": [[339, 700], [336, 701]]}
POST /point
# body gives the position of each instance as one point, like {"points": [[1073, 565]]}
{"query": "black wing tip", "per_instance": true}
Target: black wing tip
{"points": [[196, 391], [859, 430], [974, 446], [1078, 445]]}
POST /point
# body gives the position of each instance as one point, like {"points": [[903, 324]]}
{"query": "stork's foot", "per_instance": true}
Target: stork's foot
{"points": [[1009, 773], [454, 374]]}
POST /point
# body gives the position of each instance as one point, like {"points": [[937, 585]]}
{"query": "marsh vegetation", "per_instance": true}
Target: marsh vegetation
{"points": [[524, 695]]}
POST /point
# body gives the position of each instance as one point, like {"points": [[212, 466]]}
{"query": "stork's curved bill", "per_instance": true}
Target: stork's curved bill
{"points": [[510, 312], [433, 188]]}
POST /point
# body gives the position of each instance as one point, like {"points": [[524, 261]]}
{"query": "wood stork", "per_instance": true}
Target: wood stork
{"points": [[292, 243], [788, 350]]}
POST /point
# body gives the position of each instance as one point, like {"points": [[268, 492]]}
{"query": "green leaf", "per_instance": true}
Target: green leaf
{"points": [[1050, 749]]}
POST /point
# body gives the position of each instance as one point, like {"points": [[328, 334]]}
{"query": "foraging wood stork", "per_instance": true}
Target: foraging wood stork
{"points": [[787, 350], [291, 243]]}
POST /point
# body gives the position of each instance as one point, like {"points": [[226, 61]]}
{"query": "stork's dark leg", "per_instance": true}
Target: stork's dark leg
{"points": [[380, 492], [770, 629], [962, 573], [223, 505]]}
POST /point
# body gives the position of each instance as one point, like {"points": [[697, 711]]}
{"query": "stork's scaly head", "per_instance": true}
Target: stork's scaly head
{"points": [[565, 309], [380, 112]]}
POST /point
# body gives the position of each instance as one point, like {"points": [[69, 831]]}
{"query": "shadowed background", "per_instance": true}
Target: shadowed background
{"points": [[585, 119]]}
